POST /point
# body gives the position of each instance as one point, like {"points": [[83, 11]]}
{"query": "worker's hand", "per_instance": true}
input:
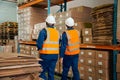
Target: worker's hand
{"points": [[61, 60]]}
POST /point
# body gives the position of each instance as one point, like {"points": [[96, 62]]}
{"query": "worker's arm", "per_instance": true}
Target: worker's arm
{"points": [[42, 36], [64, 43]]}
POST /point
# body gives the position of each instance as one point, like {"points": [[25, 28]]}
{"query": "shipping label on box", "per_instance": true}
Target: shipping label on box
{"points": [[82, 53], [102, 55], [90, 70], [102, 72], [102, 64], [82, 60], [86, 32], [90, 62], [90, 54], [87, 39]]}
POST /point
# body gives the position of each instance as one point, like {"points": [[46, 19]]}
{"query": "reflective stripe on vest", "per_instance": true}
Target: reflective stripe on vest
{"points": [[73, 42], [51, 44]]}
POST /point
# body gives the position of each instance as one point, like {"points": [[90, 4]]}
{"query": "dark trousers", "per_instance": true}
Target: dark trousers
{"points": [[73, 62], [48, 65]]}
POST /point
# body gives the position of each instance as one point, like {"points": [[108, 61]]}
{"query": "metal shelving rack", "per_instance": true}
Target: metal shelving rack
{"points": [[114, 47]]}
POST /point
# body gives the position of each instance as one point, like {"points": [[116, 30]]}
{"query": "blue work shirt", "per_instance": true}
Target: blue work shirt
{"points": [[64, 42], [40, 41]]}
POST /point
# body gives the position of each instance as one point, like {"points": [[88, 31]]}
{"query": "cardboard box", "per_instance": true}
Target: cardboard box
{"points": [[82, 68], [102, 55], [90, 77], [90, 54], [82, 60], [82, 53], [118, 76], [87, 39], [90, 62], [90, 70], [118, 62], [102, 78], [27, 47], [102, 64], [87, 32], [102, 72]]}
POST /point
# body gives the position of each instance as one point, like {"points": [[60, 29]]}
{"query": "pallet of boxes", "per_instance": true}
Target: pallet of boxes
{"points": [[19, 67], [118, 67], [103, 24], [97, 64]]}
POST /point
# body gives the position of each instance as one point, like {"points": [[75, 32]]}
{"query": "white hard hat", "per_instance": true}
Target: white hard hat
{"points": [[69, 22], [50, 19]]}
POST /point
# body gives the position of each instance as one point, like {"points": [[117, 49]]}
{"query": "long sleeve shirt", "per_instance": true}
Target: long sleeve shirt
{"points": [[64, 42], [40, 41]]}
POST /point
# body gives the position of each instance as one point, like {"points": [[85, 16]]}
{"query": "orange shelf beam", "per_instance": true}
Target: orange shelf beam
{"points": [[92, 46], [89, 46], [30, 3], [28, 42]]}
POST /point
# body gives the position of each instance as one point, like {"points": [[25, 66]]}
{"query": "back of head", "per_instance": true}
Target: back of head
{"points": [[50, 19], [69, 22]]}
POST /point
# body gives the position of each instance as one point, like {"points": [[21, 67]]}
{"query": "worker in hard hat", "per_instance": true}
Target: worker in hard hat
{"points": [[48, 46], [69, 50]]}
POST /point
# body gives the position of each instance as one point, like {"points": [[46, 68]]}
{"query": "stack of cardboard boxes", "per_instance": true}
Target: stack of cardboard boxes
{"points": [[29, 50], [102, 24], [87, 35], [28, 17], [94, 65], [118, 21], [36, 30]]}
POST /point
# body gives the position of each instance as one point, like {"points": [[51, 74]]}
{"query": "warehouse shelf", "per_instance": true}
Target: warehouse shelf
{"points": [[28, 42], [93, 46], [42, 3], [90, 46]]}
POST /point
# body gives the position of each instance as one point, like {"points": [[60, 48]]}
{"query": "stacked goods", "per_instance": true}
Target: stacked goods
{"points": [[29, 50], [37, 28], [118, 22], [102, 24], [60, 21], [19, 67], [81, 14], [87, 35], [118, 67], [6, 49], [94, 65], [7, 31], [28, 17]]}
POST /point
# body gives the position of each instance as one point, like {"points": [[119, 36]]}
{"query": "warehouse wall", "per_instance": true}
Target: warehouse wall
{"points": [[89, 3], [8, 11]]}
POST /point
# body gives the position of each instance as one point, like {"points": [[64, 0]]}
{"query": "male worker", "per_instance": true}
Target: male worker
{"points": [[69, 50], [48, 46]]}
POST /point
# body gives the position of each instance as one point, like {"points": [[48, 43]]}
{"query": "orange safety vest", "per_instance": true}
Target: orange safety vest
{"points": [[73, 42], [51, 44]]}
